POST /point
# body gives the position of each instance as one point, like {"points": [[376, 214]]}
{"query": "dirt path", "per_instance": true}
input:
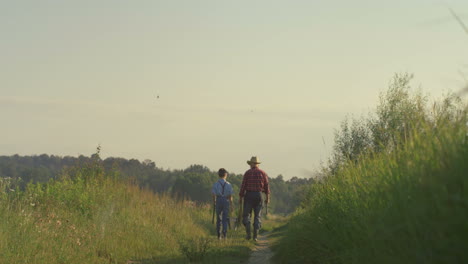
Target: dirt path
{"points": [[262, 252]]}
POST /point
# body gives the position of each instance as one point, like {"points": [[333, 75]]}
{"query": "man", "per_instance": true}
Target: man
{"points": [[255, 182], [222, 198]]}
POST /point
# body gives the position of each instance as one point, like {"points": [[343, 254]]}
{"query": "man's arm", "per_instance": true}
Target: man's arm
{"points": [[266, 188], [242, 188]]}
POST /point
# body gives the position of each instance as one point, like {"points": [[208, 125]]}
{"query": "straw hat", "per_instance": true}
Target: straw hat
{"points": [[253, 160]]}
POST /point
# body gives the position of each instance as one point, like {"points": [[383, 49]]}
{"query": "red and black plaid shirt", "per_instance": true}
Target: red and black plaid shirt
{"points": [[255, 180]]}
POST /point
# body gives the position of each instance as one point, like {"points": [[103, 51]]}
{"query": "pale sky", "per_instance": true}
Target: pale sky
{"points": [[234, 78]]}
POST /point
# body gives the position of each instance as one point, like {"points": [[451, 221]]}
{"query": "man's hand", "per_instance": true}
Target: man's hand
{"points": [[267, 199]]}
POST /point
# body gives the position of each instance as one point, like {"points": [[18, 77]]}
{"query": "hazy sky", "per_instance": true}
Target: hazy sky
{"points": [[234, 78]]}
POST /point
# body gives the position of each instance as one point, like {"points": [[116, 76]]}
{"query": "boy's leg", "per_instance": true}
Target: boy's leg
{"points": [[218, 217], [225, 217]]}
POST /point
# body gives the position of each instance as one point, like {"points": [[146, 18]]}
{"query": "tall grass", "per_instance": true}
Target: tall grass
{"points": [[408, 205], [89, 217]]}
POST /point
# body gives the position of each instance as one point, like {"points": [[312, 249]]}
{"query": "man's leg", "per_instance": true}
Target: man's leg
{"points": [[257, 215], [246, 215]]}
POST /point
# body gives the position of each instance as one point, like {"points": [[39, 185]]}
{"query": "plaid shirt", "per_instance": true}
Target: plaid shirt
{"points": [[255, 180]]}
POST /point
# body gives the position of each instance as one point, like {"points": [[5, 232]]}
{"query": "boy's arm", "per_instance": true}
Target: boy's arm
{"points": [[213, 193], [231, 206]]}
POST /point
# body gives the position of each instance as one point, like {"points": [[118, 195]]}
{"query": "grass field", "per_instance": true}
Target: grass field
{"points": [[88, 217], [408, 205]]}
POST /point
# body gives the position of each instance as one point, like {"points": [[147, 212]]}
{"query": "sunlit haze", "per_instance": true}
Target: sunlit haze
{"points": [[212, 82]]}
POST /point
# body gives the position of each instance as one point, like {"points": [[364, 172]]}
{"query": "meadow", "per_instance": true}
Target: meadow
{"points": [[395, 190], [87, 216]]}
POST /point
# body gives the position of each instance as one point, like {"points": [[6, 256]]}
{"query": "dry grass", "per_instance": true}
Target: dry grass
{"points": [[88, 218]]}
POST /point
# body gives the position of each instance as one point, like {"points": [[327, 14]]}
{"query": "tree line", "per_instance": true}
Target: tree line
{"points": [[193, 183]]}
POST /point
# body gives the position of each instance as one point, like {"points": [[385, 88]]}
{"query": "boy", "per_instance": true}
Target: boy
{"points": [[222, 198]]}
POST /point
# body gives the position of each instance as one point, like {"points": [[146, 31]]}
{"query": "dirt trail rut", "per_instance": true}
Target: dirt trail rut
{"points": [[262, 252]]}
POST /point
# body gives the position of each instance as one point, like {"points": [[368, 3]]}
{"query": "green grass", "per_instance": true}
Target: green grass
{"points": [[272, 222], [409, 205], [88, 217]]}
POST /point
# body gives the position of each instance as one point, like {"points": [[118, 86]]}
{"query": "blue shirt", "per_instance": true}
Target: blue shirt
{"points": [[218, 188]]}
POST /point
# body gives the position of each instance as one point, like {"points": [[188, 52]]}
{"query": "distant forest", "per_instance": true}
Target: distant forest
{"points": [[193, 183]]}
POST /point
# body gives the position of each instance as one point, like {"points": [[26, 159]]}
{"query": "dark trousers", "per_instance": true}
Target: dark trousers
{"points": [[252, 202], [222, 214]]}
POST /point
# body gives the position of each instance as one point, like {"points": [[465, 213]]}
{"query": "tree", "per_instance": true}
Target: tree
{"points": [[399, 113]]}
